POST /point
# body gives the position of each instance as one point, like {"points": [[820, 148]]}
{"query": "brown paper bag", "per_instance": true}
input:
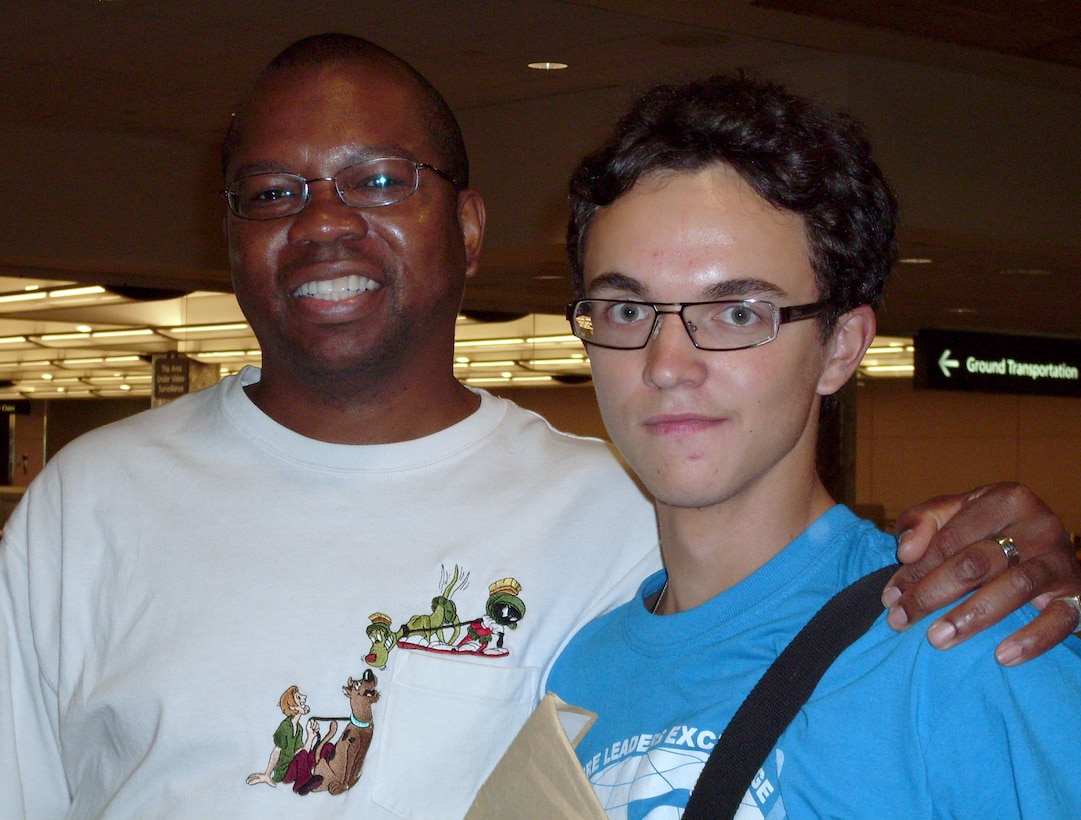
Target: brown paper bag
{"points": [[539, 776]]}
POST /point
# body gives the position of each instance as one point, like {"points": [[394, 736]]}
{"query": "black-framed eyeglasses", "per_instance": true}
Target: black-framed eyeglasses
{"points": [[624, 324], [369, 184]]}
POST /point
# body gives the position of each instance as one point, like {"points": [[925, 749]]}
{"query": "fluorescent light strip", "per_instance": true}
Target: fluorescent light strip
{"points": [[113, 334], [489, 343], [63, 337], [889, 350], [64, 293], [99, 360], [225, 354], [889, 368], [207, 328], [22, 297], [553, 362], [486, 364], [562, 339]]}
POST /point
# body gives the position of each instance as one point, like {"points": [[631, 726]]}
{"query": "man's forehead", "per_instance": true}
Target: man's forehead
{"points": [[356, 81], [704, 232], [374, 105]]}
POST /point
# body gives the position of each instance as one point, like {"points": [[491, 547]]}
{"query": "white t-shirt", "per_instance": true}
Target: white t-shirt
{"points": [[168, 577]]}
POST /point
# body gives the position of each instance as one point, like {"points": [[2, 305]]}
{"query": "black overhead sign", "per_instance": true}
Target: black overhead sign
{"points": [[990, 363]]}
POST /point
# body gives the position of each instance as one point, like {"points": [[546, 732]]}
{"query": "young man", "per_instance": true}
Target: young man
{"points": [[342, 521], [732, 242]]}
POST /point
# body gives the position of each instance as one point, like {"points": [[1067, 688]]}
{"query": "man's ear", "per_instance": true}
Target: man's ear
{"points": [[851, 337], [471, 221]]}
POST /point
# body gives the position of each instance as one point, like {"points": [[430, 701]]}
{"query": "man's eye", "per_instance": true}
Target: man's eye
{"points": [[625, 313], [373, 179], [380, 183], [739, 315], [271, 194]]}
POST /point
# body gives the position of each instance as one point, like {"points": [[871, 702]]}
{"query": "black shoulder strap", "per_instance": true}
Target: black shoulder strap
{"points": [[780, 694]]}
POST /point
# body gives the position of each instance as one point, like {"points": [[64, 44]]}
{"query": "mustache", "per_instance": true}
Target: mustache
{"points": [[336, 252]]}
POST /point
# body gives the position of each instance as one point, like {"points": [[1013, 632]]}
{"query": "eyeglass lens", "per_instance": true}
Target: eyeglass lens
{"points": [[369, 184], [728, 325]]}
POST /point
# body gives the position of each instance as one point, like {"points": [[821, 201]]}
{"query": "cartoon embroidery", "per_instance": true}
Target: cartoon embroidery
{"points": [[420, 630], [310, 762], [288, 741], [439, 631], [339, 764], [322, 764]]}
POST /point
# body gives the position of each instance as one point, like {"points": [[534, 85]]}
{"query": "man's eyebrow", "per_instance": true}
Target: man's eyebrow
{"points": [[613, 280], [370, 152], [259, 167], [350, 156], [748, 288]]}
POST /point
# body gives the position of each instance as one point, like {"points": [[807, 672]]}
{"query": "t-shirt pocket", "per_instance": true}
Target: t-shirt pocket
{"points": [[448, 721]]}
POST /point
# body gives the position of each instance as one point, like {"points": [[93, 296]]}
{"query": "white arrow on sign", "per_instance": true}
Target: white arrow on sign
{"points": [[945, 363]]}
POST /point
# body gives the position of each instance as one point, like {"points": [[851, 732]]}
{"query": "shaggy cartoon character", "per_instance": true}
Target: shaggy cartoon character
{"points": [[291, 755]]}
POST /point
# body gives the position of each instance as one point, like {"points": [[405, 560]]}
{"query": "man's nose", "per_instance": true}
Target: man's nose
{"points": [[671, 357], [326, 217]]}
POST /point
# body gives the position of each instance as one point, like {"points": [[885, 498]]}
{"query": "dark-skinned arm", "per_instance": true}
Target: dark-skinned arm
{"points": [[947, 549]]}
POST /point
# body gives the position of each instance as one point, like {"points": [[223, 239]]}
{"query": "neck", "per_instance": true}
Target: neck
{"points": [[707, 550], [374, 414]]}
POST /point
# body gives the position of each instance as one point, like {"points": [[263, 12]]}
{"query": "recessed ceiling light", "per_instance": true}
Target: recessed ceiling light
{"points": [[915, 260], [546, 66]]}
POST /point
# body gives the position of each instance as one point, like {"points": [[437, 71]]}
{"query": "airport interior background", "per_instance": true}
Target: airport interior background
{"points": [[114, 283]]}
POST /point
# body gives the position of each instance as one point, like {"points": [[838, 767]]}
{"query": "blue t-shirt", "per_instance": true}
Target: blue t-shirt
{"points": [[895, 728]]}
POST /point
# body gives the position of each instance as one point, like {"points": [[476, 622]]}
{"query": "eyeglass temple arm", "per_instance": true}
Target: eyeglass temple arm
{"points": [[797, 312]]}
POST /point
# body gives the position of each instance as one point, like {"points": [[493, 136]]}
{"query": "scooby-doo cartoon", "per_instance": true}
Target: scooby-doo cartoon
{"points": [[339, 763], [322, 764]]}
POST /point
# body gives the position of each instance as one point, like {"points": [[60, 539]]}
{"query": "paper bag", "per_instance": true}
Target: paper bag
{"points": [[539, 775]]}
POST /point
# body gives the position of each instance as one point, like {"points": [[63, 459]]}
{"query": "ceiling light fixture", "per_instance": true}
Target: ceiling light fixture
{"points": [[64, 293], [547, 66], [489, 342], [207, 328], [112, 334], [25, 296]]}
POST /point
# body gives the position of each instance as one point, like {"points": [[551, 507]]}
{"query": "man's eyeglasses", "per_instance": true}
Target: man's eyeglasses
{"points": [[727, 325], [370, 184]]}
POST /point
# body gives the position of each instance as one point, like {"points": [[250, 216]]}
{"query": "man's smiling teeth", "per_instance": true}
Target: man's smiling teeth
{"points": [[335, 290]]}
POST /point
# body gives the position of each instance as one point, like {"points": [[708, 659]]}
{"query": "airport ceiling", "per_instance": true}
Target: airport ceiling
{"points": [[113, 112]]}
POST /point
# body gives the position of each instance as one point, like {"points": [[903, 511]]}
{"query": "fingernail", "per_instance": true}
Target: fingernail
{"points": [[1009, 654], [941, 633], [890, 596], [897, 618], [902, 542]]}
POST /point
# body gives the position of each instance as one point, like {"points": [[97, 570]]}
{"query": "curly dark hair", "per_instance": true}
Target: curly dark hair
{"points": [[797, 155], [325, 49]]}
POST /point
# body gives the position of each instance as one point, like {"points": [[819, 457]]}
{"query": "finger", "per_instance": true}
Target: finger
{"points": [[1006, 508], [990, 509], [1010, 509], [991, 603], [921, 594], [1053, 625], [918, 525]]}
